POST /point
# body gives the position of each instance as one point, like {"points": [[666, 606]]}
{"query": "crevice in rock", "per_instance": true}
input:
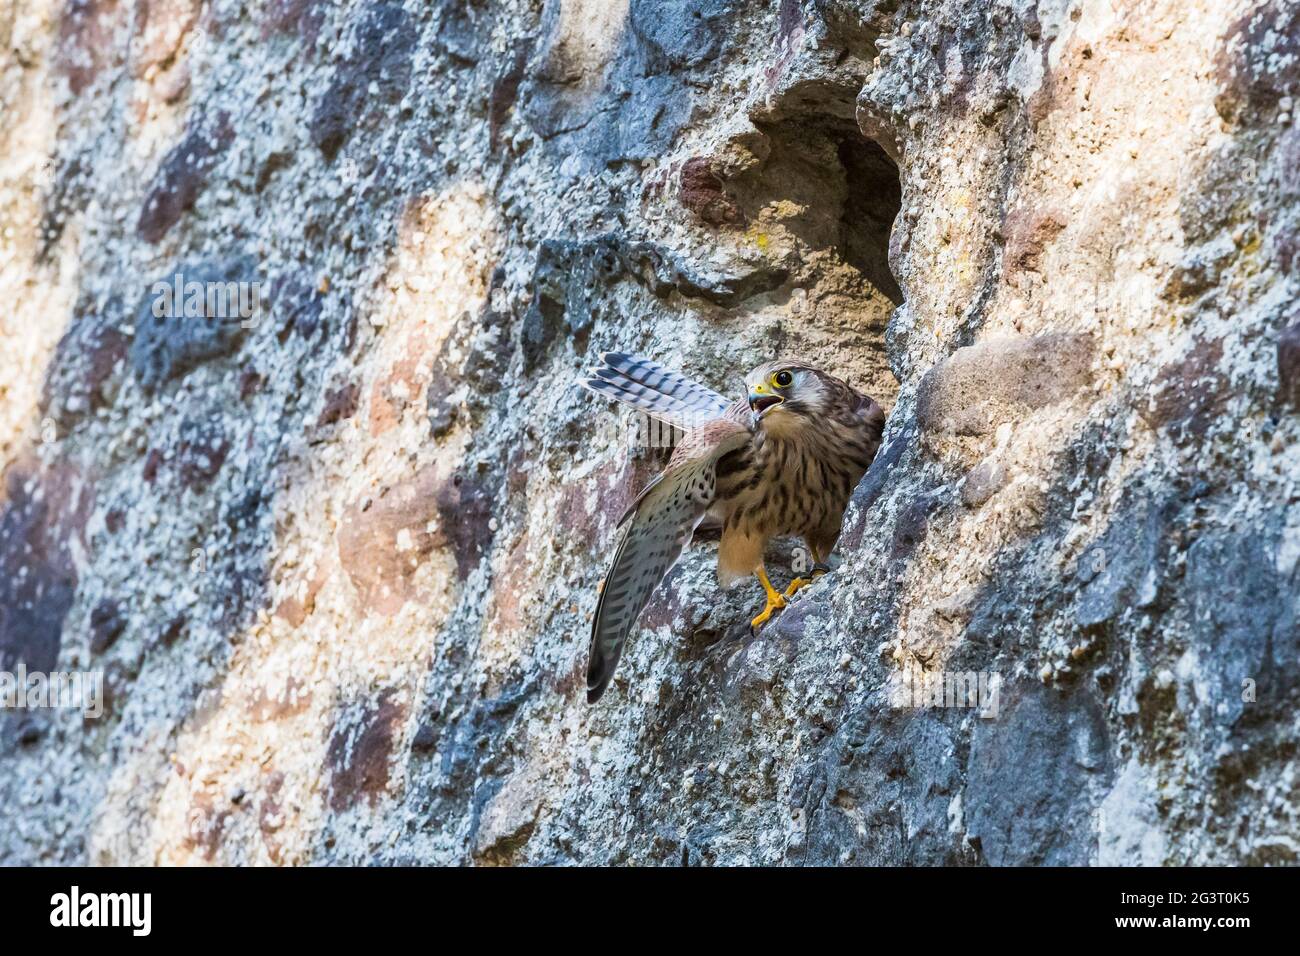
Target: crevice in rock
{"points": [[873, 200], [819, 198], [829, 186]]}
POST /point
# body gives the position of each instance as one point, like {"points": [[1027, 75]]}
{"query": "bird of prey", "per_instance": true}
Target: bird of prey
{"points": [[781, 461]]}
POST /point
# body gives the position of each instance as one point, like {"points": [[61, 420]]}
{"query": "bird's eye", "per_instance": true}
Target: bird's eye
{"points": [[782, 379]]}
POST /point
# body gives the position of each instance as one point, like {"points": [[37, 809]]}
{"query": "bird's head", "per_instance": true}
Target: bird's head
{"points": [[784, 394]]}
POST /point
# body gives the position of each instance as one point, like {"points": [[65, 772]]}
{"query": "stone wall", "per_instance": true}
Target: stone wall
{"points": [[337, 563]]}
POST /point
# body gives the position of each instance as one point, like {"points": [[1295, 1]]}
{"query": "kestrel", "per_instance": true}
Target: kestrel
{"points": [[782, 461]]}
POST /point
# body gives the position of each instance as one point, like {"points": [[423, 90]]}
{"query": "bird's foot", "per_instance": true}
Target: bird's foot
{"points": [[796, 585], [775, 602], [800, 583]]}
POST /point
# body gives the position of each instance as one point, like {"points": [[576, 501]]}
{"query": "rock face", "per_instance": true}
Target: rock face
{"points": [[336, 560]]}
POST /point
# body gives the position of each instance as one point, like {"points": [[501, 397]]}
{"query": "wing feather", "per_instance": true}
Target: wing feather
{"points": [[662, 523]]}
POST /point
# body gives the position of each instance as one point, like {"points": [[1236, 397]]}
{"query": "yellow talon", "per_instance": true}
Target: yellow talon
{"points": [[775, 600], [796, 584], [818, 569], [766, 613]]}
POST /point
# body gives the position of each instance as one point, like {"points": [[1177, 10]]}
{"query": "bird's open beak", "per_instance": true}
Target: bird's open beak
{"points": [[761, 399]]}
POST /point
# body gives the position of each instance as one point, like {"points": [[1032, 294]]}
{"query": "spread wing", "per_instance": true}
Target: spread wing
{"points": [[667, 395], [661, 524]]}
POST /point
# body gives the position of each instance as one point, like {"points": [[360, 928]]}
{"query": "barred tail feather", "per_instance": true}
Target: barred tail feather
{"points": [[648, 386]]}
